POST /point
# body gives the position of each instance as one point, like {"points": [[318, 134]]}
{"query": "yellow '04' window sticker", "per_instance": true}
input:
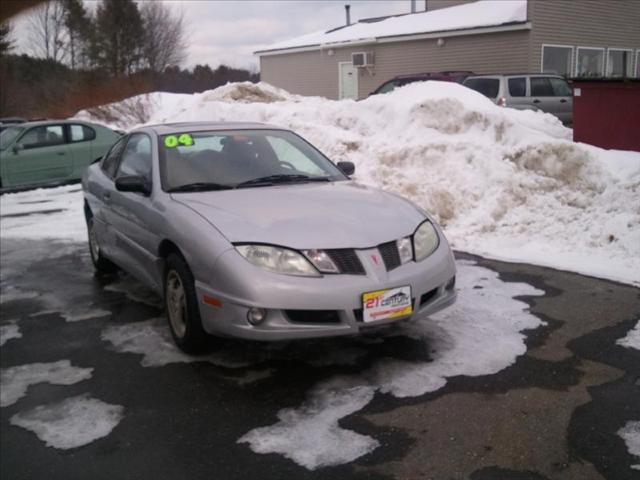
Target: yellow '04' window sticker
{"points": [[182, 140]]}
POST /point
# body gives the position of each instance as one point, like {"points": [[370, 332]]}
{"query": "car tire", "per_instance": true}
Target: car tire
{"points": [[181, 303], [100, 263]]}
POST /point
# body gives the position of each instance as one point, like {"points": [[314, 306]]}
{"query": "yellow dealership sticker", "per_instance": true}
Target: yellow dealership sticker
{"points": [[386, 304]]}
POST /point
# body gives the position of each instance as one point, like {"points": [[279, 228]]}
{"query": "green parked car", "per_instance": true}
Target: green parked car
{"points": [[50, 152]]}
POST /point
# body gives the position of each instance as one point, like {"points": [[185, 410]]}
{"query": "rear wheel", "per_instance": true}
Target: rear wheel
{"points": [[181, 303], [101, 264]]}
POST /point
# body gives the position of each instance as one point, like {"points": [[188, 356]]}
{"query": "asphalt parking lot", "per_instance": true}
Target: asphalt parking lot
{"points": [[552, 413]]}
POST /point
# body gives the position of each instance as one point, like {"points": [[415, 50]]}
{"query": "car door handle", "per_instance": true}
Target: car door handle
{"points": [[60, 153], [564, 100], [106, 196], [536, 101]]}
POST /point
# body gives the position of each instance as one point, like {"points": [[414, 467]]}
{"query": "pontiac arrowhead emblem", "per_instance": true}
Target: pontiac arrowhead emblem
{"points": [[375, 259]]}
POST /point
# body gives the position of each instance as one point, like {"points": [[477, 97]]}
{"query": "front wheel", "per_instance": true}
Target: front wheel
{"points": [[182, 307], [100, 263]]}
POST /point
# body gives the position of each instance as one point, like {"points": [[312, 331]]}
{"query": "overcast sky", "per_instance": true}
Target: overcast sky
{"points": [[230, 31]]}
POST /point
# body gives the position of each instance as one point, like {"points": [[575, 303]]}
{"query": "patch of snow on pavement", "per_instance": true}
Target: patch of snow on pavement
{"points": [[504, 183], [71, 423], [151, 339], [44, 213], [11, 294], [479, 335], [631, 436], [632, 339], [8, 331], [16, 380], [84, 313]]}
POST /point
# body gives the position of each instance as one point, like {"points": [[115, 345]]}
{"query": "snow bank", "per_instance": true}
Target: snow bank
{"points": [[504, 183], [71, 423], [632, 340], [480, 335], [631, 435], [16, 380]]}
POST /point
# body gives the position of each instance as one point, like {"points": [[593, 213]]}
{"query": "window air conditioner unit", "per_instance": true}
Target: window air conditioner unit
{"points": [[362, 59]]}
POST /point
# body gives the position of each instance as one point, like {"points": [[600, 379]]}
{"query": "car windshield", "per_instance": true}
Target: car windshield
{"points": [[216, 160], [8, 135]]}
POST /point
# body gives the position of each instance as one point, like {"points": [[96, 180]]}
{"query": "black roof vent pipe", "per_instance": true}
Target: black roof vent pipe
{"points": [[347, 11]]}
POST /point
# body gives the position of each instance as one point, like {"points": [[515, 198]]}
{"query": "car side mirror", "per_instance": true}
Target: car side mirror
{"points": [[17, 147], [348, 168], [133, 183]]}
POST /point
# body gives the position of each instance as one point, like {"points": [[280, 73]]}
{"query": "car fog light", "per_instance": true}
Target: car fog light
{"points": [[256, 316]]}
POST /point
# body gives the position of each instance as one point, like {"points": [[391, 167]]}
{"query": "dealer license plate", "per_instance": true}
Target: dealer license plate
{"points": [[386, 304]]}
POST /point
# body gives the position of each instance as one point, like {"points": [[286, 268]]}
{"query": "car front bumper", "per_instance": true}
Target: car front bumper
{"points": [[238, 285]]}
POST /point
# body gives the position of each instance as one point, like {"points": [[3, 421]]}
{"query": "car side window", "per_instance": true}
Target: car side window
{"points": [[541, 87], [136, 159], [110, 161], [560, 87], [518, 87], [389, 86], [43, 136], [81, 133]]}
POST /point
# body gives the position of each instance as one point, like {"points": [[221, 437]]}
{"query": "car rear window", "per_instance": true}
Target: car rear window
{"points": [[518, 87], [489, 87], [541, 87], [81, 133]]}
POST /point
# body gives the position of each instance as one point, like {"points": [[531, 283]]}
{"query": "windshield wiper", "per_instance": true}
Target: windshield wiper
{"points": [[281, 178], [200, 187]]}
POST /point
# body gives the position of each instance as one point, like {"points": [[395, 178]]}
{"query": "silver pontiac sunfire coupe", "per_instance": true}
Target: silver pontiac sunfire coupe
{"points": [[249, 231]]}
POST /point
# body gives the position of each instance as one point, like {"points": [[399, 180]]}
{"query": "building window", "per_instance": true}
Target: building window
{"points": [[619, 62], [590, 62], [638, 63], [557, 59]]}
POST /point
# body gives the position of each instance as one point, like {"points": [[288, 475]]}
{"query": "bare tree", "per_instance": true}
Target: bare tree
{"points": [[164, 31], [47, 32]]}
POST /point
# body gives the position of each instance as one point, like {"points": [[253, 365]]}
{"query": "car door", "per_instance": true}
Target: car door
{"points": [[40, 155], [80, 147], [549, 99], [563, 94], [132, 213], [99, 189]]}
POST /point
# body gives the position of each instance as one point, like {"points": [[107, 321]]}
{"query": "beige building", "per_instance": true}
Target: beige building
{"points": [[570, 37]]}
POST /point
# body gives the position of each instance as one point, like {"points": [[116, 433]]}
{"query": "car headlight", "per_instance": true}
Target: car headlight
{"points": [[425, 241], [278, 260]]}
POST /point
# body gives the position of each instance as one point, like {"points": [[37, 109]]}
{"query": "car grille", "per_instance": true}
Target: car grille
{"points": [[347, 261], [313, 316], [390, 255]]}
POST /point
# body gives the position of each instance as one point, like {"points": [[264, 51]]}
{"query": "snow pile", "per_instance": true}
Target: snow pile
{"points": [[16, 380], [9, 331], [632, 340], [480, 335], [71, 423], [631, 435], [483, 13], [504, 183]]}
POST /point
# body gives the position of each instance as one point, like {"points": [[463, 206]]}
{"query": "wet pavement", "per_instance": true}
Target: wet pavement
{"points": [[553, 414]]}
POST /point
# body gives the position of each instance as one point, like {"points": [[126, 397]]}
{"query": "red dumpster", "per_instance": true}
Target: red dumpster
{"points": [[606, 113]]}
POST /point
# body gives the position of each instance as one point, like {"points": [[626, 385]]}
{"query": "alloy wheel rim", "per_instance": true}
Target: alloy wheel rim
{"points": [[176, 304]]}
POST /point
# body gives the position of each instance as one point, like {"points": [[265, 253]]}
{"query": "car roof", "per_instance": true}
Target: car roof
{"points": [[168, 128], [500, 75], [38, 123]]}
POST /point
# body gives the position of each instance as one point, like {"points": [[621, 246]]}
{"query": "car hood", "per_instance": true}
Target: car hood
{"points": [[310, 215]]}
